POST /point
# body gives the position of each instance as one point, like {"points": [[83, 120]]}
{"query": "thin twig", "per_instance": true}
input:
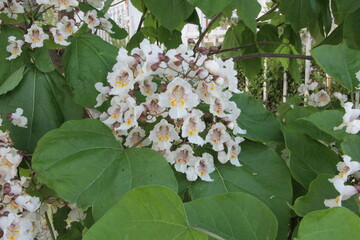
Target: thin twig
{"points": [[141, 20], [202, 35], [268, 12], [244, 46], [49, 225], [271, 55], [208, 233]]}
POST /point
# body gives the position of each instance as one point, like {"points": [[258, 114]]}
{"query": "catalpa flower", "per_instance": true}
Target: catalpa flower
{"points": [[91, 19], [130, 118], [347, 167], [163, 135], [208, 91], [105, 24], [65, 4], [104, 92], [229, 74], [204, 166], [17, 119], [36, 36], [68, 26], [27, 202], [179, 97], [12, 8], [183, 157], [350, 119], [152, 104], [319, 99], [192, 126], [121, 80], [147, 87], [233, 151], [135, 135], [119, 105], [59, 34], [217, 136], [14, 47]]}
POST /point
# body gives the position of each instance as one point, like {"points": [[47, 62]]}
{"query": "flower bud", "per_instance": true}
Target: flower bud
{"points": [[230, 125], [219, 81], [155, 66], [131, 93], [142, 119], [203, 51], [163, 88], [202, 73], [191, 41], [161, 57]]}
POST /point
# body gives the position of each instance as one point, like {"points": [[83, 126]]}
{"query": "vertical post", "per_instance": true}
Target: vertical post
{"points": [[246, 84], [285, 86], [357, 99], [265, 94], [307, 62]]}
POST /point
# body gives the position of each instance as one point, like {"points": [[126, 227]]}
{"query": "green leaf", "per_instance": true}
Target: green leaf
{"points": [[300, 13], [46, 102], [233, 216], [340, 62], [42, 60], [8, 67], [233, 38], [149, 212], [333, 119], [169, 13], [170, 39], [334, 223], [347, 6], [139, 4], [210, 7], [247, 11], [350, 146], [92, 168], [260, 125], [87, 61], [12, 81], [308, 157], [135, 41], [263, 174], [352, 29], [268, 32], [319, 190]]}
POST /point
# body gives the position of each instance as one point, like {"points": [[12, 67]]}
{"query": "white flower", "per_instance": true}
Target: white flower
{"points": [[319, 99], [233, 151], [68, 26], [17, 119], [342, 97], [163, 135], [14, 47], [9, 161], [346, 192], [358, 75], [59, 34], [91, 19], [183, 157], [229, 74], [191, 175], [207, 91], [204, 166], [13, 8], [29, 203], [219, 105], [65, 4], [104, 92], [119, 105], [347, 167], [106, 25], [304, 88], [35, 35], [152, 104], [192, 126], [179, 97], [147, 87], [212, 66], [135, 135], [130, 118], [217, 136], [350, 119], [121, 80]]}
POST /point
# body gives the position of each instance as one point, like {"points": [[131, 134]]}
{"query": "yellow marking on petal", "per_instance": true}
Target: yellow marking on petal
{"points": [[15, 51], [160, 138], [115, 115], [167, 138], [14, 230], [60, 39], [182, 102], [128, 121], [12, 237], [212, 87], [173, 102], [171, 77]]}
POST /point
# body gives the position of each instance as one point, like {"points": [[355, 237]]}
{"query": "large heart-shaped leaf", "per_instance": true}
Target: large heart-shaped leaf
{"points": [[248, 10], [260, 125], [340, 62], [233, 216], [334, 223], [264, 174], [12, 81], [46, 102], [149, 212], [87, 61], [92, 168], [352, 29], [210, 7], [169, 13], [308, 157], [350, 146]]}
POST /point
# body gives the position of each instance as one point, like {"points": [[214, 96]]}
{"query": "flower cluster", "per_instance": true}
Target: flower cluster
{"points": [[65, 27], [184, 96], [316, 99], [351, 119], [346, 169], [18, 210]]}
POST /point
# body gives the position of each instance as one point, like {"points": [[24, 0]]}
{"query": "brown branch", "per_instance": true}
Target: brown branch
{"points": [[244, 46], [202, 35], [141, 20], [268, 12], [271, 55]]}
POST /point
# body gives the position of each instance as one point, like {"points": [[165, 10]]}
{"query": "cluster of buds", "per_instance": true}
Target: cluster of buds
{"points": [[65, 27], [346, 169], [184, 97], [18, 211]]}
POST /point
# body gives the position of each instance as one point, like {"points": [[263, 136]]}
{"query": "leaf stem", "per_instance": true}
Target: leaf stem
{"points": [[50, 226], [208, 233], [271, 55], [202, 35], [141, 20], [270, 11]]}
